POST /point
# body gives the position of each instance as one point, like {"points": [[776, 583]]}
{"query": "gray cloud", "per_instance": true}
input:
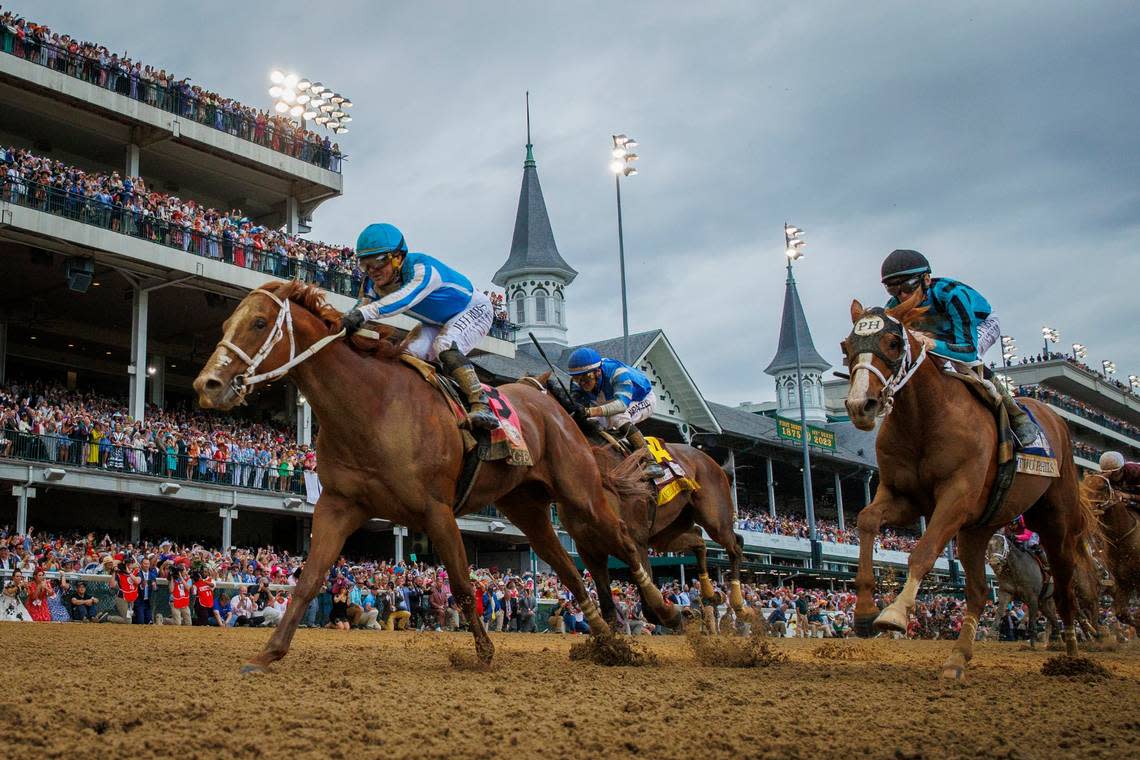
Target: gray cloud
{"points": [[998, 139]]}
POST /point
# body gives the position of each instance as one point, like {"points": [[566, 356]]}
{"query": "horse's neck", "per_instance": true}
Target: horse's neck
{"points": [[915, 407]]}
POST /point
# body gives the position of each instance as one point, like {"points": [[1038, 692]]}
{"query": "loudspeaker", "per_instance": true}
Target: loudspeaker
{"points": [[80, 273]]}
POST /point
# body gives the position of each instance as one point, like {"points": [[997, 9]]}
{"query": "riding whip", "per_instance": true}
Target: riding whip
{"points": [[553, 371]]}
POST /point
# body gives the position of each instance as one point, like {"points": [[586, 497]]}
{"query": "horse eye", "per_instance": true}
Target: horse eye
{"points": [[260, 323]]}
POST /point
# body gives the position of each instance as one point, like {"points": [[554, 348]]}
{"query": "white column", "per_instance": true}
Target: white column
{"points": [[22, 494], [922, 526], [136, 523], [771, 487], [139, 308], [683, 588], [3, 351], [292, 215], [839, 501], [157, 380], [732, 474], [399, 532], [228, 516], [131, 165], [304, 421], [867, 487]]}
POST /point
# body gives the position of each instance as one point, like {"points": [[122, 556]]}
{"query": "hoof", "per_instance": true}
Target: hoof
{"points": [[864, 626], [954, 672], [253, 669], [890, 620]]}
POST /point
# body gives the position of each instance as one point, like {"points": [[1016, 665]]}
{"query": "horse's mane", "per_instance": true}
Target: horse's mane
{"points": [[312, 299]]}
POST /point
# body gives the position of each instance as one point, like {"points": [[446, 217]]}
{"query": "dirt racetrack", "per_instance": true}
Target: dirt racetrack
{"points": [[116, 691]]}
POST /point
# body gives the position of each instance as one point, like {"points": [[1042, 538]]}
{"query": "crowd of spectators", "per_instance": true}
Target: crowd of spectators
{"points": [[1079, 408], [1056, 356], [127, 205], [96, 65], [252, 587], [826, 530], [50, 423]]}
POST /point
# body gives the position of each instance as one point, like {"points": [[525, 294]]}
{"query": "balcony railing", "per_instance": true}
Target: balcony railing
{"points": [[178, 98], [116, 218], [128, 460]]}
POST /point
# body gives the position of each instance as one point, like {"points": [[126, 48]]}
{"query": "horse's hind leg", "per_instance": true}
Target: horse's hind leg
{"points": [[334, 519], [693, 540], [444, 534]]}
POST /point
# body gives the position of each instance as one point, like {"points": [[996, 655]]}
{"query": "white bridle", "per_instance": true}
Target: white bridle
{"points": [[243, 383], [901, 376]]}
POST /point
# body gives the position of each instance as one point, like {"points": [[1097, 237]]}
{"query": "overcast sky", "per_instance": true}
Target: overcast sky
{"points": [[998, 138]]}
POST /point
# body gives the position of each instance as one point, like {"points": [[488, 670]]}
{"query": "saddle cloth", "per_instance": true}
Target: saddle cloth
{"points": [[675, 480], [504, 442], [1038, 457]]}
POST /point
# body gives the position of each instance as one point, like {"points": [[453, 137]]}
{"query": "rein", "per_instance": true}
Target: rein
{"points": [[902, 369], [243, 383]]}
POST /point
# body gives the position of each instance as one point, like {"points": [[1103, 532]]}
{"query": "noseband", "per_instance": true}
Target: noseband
{"points": [[244, 382], [865, 339]]}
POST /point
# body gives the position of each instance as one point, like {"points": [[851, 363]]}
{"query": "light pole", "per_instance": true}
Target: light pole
{"points": [[306, 100], [1134, 382], [1008, 349], [1109, 368], [1079, 352], [1049, 335], [793, 249], [622, 166]]}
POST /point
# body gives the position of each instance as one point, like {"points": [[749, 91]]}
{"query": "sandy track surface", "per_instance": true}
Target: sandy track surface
{"points": [[105, 691]]}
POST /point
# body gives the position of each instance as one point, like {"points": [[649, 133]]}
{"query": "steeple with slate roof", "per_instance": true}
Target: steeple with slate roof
{"points": [[535, 275], [794, 324]]}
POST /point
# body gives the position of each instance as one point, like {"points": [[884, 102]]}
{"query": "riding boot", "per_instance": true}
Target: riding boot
{"points": [[637, 441], [479, 414], [1023, 428]]}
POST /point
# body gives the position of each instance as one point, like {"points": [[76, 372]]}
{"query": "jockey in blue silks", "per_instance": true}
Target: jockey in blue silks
{"points": [[615, 396], [455, 316], [959, 323]]}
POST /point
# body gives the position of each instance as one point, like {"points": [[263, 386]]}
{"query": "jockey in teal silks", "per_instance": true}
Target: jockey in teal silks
{"points": [[615, 397], [959, 323], [455, 316]]}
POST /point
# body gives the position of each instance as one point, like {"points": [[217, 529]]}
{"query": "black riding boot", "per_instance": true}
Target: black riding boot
{"points": [[637, 441], [1023, 428], [463, 372]]}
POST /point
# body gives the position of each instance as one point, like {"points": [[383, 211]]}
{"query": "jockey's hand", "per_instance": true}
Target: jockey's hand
{"points": [[594, 411], [351, 322], [580, 414], [924, 340]]}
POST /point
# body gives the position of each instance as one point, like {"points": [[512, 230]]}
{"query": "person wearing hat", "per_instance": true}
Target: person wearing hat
{"points": [[454, 314], [1124, 476], [615, 396], [959, 323]]}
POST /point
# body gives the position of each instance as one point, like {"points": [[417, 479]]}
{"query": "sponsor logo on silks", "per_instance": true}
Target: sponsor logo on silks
{"points": [[1031, 464]]}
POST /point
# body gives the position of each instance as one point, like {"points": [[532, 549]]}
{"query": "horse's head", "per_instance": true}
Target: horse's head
{"points": [[878, 353], [259, 343], [1096, 492], [996, 551]]}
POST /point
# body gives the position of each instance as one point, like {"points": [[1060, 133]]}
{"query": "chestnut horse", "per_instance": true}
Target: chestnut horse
{"points": [[1120, 538], [389, 448], [937, 455]]}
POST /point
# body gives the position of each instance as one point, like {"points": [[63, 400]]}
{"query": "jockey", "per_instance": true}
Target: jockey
{"points": [[1124, 476], [455, 315], [1025, 538], [616, 397], [959, 324]]}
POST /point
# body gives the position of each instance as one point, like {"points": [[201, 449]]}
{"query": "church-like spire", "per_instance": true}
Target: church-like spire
{"points": [[533, 250], [794, 324]]}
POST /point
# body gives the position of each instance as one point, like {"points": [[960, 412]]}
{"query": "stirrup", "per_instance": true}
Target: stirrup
{"points": [[484, 418]]}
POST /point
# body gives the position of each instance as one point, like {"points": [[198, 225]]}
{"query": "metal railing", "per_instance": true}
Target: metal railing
{"points": [[177, 98], [129, 460], [116, 218]]}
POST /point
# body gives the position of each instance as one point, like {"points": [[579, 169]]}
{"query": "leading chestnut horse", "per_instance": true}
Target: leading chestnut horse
{"points": [[937, 456], [389, 447]]}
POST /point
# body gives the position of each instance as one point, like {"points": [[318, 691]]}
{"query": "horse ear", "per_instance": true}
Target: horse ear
{"points": [[856, 310], [544, 378]]}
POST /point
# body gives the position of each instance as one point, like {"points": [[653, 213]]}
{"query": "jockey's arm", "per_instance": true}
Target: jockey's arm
{"points": [[423, 282], [622, 385], [963, 314]]}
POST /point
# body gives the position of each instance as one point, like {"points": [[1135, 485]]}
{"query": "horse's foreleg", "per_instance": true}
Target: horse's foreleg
{"points": [[972, 551], [333, 520], [445, 537], [885, 508]]}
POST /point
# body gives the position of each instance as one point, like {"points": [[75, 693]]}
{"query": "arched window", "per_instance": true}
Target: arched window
{"points": [[540, 296], [559, 318], [790, 393], [520, 307], [809, 392]]}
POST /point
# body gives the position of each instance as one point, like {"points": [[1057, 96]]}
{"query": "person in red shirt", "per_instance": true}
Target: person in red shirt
{"points": [[179, 596], [126, 592], [204, 595]]}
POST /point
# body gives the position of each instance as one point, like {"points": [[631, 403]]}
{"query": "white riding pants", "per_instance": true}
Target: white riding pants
{"points": [[465, 330]]}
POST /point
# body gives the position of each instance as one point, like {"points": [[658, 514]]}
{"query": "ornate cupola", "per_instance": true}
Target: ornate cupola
{"points": [[535, 276], [794, 331]]}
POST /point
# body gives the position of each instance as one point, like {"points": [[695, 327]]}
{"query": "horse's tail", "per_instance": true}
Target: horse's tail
{"points": [[626, 478]]}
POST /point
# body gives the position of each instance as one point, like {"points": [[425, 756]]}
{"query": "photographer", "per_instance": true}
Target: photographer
{"points": [[126, 592]]}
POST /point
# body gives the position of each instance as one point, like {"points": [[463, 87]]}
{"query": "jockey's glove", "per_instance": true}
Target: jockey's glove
{"points": [[580, 415], [351, 322]]}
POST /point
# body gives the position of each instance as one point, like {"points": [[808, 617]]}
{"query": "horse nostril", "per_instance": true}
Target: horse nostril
{"points": [[869, 405], [212, 385]]}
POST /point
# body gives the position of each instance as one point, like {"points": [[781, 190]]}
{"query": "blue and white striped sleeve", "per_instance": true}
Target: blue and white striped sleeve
{"points": [[622, 385], [424, 280]]}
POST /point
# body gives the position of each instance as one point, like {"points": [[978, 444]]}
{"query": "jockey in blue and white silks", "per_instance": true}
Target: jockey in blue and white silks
{"points": [[615, 396], [959, 323], [455, 316]]}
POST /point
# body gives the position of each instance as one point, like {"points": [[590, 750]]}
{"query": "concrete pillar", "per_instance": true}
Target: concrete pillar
{"points": [[922, 526], [304, 533], [131, 165], [731, 466], [292, 215], [139, 308], [3, 352], [228, 515], [867, 487], [157, 380], [22, 494], [304, 421], [839, 501], [771, 487], [682, 576], [399, 532], [136, 523]]}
